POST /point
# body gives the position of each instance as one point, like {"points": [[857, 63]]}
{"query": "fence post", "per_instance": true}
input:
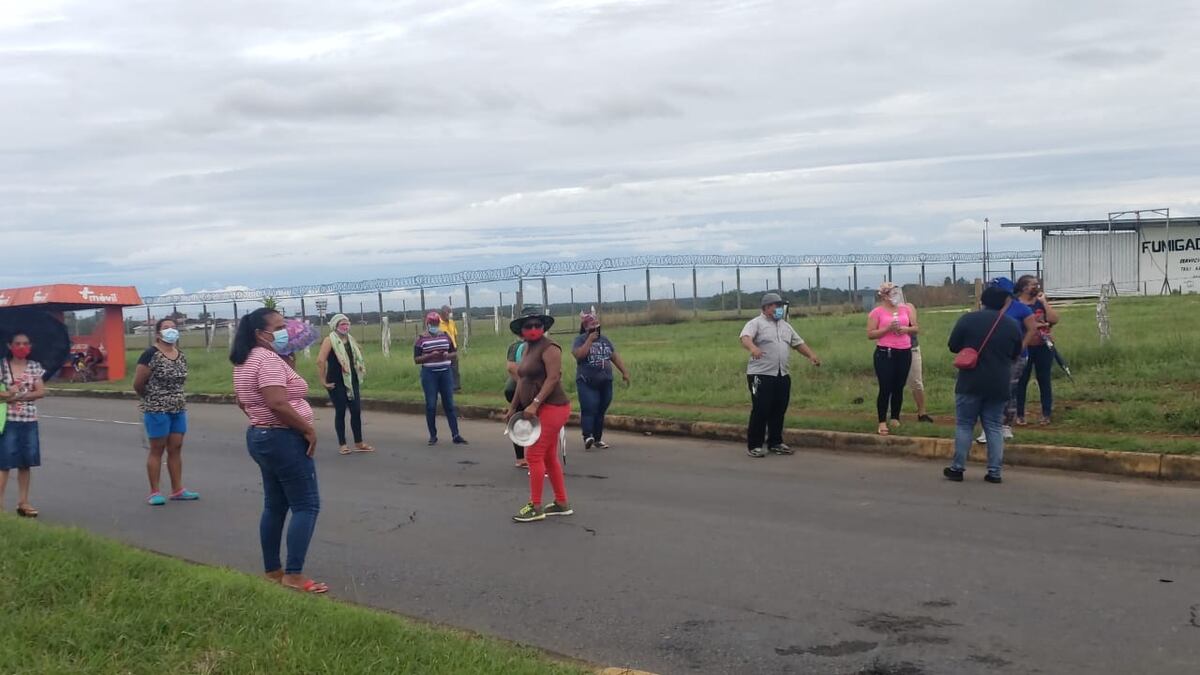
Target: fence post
{"points": [[954, 274], [303, 310], [421, 319], [1037, 268], [855, 285], [545, 296], [340, 309], [922, 275], [573, 308], [738, 271], [889, 271], [1012, 270], [207, 335], [818, 288], [625, 299], [695, 295], [467, 316], [150, 323], [647, 291], [599, 295], [779, 279]]}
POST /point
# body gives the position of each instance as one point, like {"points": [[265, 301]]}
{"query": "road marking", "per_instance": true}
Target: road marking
{"points": [[90, 419]]}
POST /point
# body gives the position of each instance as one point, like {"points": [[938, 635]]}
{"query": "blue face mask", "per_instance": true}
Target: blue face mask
{"points": [[435, 329], [779, 313], [279, 339], [170, 336]]}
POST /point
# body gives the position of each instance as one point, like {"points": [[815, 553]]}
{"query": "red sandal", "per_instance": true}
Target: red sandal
{"points": [[310, 586]]}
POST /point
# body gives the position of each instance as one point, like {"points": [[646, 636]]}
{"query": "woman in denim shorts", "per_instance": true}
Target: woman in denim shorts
{"points": [[19, 445], [159, 380]]}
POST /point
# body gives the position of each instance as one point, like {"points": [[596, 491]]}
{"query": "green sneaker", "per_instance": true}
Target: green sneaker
{"points": [[556, 509], [529, 513]]}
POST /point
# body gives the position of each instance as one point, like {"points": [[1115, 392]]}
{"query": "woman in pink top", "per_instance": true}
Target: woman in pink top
{"points": [[281, 440], [891, 325]]}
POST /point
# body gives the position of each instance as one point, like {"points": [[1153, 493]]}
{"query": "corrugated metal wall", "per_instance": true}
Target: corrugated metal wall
{"points": [[1078, 264]]}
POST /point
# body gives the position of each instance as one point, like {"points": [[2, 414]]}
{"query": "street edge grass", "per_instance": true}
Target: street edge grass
{"points": [[80, 603]]}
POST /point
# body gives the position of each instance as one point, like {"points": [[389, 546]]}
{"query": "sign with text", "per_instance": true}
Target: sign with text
{"points": [[1175, 255]]}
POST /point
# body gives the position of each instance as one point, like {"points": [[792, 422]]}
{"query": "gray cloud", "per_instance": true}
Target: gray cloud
{"points": [[265, 141]]}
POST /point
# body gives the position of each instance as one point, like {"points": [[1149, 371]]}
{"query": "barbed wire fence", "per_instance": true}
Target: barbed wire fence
{"points": [[856, 272]]}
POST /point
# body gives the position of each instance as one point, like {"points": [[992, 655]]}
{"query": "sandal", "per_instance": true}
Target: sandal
{"points": [[26, 511], [521, 464], [309, 587], [1021, 421], [883, 430], [363, 447], [344, 450], [275, 577]]}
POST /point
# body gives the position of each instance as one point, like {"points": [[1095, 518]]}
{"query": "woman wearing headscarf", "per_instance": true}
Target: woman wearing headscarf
{"points": [[891, 325], [595, 357], [342, 368], [20, 447], [540, 394], [435, 352]]}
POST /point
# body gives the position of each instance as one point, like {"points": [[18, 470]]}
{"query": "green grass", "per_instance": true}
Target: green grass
{"points": [[72, 603], [1138, 392]]}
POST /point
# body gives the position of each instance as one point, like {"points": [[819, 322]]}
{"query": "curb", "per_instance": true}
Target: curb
{"points": [[1157, 466]]}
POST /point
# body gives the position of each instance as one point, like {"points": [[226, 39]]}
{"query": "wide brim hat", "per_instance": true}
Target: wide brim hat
{"points": [[531, 313]]}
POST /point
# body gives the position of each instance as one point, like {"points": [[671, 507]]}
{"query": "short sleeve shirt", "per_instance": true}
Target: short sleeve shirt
{"points": [[1019, 311], [164, 389], [597, 365], [22, 411], [265, 368], [776, 340]]}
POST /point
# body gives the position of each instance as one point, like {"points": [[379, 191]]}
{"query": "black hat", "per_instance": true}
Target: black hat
{"points": [[531, 312]]}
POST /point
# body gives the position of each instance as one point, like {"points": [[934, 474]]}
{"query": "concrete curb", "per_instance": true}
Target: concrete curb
{"points": [[1157, 466]]}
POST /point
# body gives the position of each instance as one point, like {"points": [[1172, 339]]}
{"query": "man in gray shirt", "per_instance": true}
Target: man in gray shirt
{"points": [[770, 338]]}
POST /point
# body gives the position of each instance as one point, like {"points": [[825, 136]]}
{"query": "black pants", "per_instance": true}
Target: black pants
{"points": [[509, 392], [342, 403], [769, 397], [1041, 362], [891, 369]]}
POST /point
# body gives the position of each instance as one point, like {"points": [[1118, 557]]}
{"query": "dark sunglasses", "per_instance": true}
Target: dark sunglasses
{"points": [[531, 325]]}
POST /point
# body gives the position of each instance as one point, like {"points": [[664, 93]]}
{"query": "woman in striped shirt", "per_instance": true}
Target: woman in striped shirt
{"points": [[281, 440], [435, 352]]}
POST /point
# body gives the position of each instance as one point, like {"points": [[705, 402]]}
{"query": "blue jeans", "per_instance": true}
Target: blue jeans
{"points": [[1041, 362], [967, 409], [594, 399], [434, 382], [289, 483]]}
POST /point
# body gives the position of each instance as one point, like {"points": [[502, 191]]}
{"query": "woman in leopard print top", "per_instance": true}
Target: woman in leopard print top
{"points": [[159, 380]]}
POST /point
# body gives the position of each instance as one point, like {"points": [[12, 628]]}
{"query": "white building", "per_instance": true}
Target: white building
{"points": [[1143, 257]]}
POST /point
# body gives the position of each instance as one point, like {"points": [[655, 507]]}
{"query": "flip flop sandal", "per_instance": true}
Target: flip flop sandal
{"points": [[883, 431], [310, 587], [364, 447], [26, 511], [344, 450]]}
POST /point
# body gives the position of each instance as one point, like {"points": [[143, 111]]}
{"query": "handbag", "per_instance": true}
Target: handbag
{"points": [[968, 357]]}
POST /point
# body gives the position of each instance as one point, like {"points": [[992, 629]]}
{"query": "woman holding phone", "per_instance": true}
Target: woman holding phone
{"points": [[891, 325], [595, 357]]}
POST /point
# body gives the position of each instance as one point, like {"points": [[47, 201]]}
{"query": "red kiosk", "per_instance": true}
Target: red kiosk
{"points": [[104, 350]]}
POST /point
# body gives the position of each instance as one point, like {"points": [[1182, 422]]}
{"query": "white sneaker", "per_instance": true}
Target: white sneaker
{"points": [[982, 438], [1007, 432]]}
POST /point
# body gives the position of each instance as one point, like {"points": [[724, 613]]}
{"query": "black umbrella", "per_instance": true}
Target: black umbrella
{"points": [[1057, 357], [51, 343]]}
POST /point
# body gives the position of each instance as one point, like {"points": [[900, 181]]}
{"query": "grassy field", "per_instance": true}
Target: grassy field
{"points": [[1138, 392], [71, 602]]}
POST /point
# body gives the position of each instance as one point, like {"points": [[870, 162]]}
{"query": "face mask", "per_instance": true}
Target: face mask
{"points": [[21, 351], [779, 314], [170, 336], [533, 334], [343, 329], [279, 339], [435, 329]]}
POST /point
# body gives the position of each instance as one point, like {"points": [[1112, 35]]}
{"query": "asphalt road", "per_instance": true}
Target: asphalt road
{"points": [[688, 556]]}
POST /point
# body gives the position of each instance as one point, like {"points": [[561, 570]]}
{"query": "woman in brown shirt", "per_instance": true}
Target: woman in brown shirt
{"points": [[540, 394]]}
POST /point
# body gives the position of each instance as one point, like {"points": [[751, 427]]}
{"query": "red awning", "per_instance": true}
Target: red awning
{"points": [[70, 296]]}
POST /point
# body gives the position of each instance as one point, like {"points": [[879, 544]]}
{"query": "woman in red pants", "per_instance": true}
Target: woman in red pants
{"points": [[540, 394]]}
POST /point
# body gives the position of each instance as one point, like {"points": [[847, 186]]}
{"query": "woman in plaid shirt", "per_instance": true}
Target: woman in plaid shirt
{"points": [[19, 447]]}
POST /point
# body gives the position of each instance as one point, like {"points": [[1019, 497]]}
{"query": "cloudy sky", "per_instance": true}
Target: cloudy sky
{"points": [[192, 145]]}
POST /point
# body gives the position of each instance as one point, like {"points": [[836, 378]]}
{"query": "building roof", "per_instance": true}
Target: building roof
{"points": [[70, 296], [1124, 224]]}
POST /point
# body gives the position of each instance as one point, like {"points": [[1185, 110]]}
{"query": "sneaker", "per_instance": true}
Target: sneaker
{"points": [[953, 474], [925, 418], [1007, 432], [556, 509], [185, 496], [432, 441], [1021, 421], [602, 445], [993, 479], [1045, 421], [529, 513], [756, 452], [156, 499], [982, 438], [782, 449], [459, 440], [588, 443]]}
